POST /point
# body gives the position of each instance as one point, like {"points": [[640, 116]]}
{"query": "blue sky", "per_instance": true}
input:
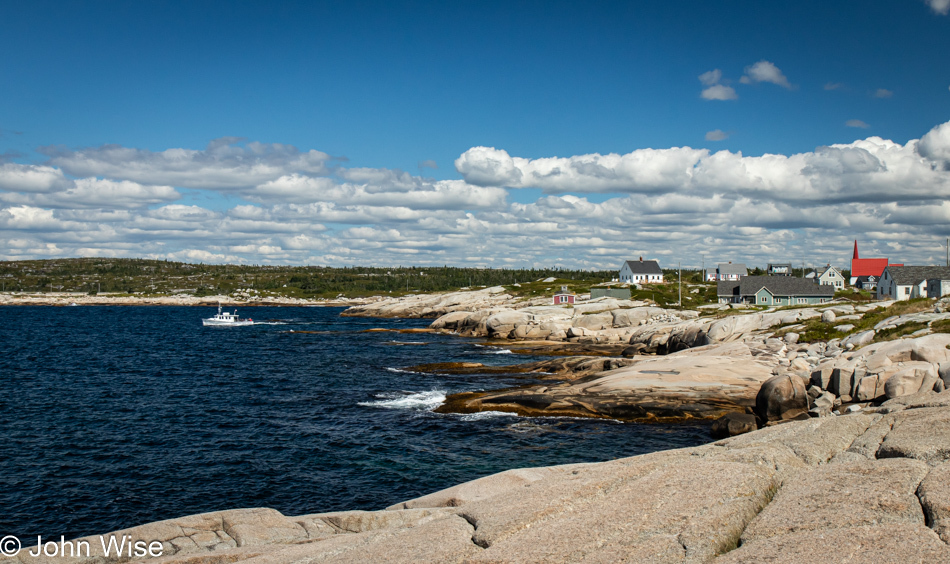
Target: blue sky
{"points": [[377, 88]]}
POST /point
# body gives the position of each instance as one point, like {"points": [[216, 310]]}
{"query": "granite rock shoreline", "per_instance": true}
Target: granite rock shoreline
{"points": [[665, 365], [869, 486]]}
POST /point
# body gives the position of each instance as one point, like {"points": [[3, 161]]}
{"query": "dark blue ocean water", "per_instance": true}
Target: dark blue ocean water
{"points": [[112, 417]]}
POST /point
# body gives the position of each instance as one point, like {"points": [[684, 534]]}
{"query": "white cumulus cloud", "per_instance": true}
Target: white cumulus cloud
{"points": [[719, 92], [222, 165], [939, 6], [764, 71]]}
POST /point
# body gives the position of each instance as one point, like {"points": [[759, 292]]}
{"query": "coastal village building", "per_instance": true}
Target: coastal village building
{"points": [[727, 271], [866, 283], [907, 282], [619, 293], [641, 272], [565, 296], [866, 266], [832, 277], [774, 291], [779, 269]]}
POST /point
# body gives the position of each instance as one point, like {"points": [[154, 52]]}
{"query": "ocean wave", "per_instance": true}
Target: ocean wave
{"points": [[498, 351], [426, 401]]}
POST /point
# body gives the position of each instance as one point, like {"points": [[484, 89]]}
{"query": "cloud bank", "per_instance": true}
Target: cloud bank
{"points": [[275, 204]]}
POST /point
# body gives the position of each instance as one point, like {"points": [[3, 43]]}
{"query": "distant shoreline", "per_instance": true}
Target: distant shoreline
{"points": [[66, 299]]}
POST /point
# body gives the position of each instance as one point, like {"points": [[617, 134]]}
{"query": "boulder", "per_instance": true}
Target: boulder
{"points": [[576, 332], [842, 381], [502, 323], [781, 398], [907, 381], [732, 424], [791, 338], [859, 339], [868, 388], [828, 316], [633, 350], [594, 321], [822, 377], [943, 371], [449, 320], [823, 405], [632, 317], [799, 364]]}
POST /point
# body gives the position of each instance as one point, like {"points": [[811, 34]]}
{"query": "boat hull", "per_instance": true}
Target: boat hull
{"points": [[217, 323]]}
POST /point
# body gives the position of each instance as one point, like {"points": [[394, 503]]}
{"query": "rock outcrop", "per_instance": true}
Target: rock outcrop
{"points": [[869, 487], [699, 383], [433, 305], [886, 370]]}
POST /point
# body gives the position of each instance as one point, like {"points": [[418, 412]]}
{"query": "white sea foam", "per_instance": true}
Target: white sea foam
{"points": [[401, 371], [486, 415], [408, 400], [494, 350]]}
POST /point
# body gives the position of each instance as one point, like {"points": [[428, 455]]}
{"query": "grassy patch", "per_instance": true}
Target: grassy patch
{"points": [[668, 294], [815, 330], [899, 331]]}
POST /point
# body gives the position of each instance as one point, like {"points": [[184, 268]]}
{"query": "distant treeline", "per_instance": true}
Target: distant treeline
{"points": [[91, 275]]}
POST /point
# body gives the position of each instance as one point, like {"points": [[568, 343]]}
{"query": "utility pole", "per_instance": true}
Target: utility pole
{"points": [[679, 267], [948, 251]]}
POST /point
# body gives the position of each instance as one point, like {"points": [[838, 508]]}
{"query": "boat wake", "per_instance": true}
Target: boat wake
{"points": [[419, 401]]}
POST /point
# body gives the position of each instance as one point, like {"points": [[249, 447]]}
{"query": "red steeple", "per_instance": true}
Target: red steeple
{"points": [[855, 249]]}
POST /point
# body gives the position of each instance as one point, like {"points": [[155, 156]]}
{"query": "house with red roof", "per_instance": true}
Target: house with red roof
{"points": [[868, 269]]}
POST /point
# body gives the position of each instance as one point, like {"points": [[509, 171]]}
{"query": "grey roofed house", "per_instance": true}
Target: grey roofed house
{"points": [[904, 282], [643, 266], [729, 269], [910, 275], [774, 290]]}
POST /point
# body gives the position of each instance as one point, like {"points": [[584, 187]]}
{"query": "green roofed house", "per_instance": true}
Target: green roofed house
{"points": [[774, 291]]}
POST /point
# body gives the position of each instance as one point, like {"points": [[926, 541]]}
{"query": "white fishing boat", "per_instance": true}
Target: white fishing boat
{"points": [[225, 319]]}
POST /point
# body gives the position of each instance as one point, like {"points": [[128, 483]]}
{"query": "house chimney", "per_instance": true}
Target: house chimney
{"points": [[641, 259]]}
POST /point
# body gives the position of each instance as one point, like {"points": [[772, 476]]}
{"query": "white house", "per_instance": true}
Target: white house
{"points": [[906, 282], [831, 276], [728, 271], [641, 272]]}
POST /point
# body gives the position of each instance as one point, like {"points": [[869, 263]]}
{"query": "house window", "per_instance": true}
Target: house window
{"points": [[763, 299], [801, 300], [906, 291]]}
